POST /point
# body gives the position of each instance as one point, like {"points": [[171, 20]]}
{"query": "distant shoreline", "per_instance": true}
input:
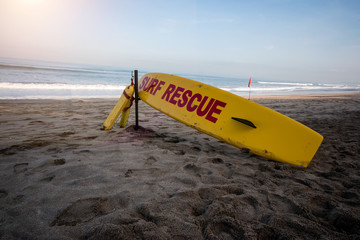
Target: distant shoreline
{"points": [[295, 96], [46, 80], [307, 96]]}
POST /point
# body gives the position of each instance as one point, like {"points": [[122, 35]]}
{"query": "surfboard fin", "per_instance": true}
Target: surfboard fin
{"points": [[244, 121]]}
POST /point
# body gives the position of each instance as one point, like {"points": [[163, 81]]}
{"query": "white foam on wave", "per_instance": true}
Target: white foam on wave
{"points": [[60, 68], [285, 83], [60, 86], [324, 87], [260, 89], [38, 97]]}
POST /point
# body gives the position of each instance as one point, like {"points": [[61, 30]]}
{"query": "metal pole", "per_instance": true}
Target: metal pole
{"points": [[136, 101]]}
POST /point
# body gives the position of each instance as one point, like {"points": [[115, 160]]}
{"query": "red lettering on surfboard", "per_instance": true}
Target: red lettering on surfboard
{"points": [[143, 83], [176, 94], [152, 84], [179, 96], [185, 98], [168, 91], [216, 110], [190, 106], [158, 87], [200, 110]]}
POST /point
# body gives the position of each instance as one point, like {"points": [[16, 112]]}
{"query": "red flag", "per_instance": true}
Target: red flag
{"points": [[249, 82]]}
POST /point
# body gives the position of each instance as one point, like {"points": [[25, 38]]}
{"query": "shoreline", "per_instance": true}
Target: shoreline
{"points": [[309, 96], [285, 96], [62, 177]]}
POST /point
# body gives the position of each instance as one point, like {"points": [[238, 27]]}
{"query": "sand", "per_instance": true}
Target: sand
{"points": [[61, 177]]}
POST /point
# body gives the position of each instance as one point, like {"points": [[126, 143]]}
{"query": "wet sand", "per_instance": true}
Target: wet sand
{"points": [[61, 177]]}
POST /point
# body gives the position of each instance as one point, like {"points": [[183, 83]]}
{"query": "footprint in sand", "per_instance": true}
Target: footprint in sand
{"points": [[85, 210], [191, 167], [151, 160], [3, 193], [198, 149], [36, 122], [66, 134], [82, 210], [91, 137], [128, 173], [59, 161], [216, 160], [173, 139], [180, 152], [224, 228], [47, 179], [195, 170], [20, 167], [16, 199]]}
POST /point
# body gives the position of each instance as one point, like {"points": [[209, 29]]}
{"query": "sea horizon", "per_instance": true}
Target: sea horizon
{"points": [[33, 79]]}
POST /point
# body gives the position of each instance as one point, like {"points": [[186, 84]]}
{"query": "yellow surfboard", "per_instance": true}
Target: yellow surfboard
{"points": [[125, 115], [123, 104], [230, 118]]}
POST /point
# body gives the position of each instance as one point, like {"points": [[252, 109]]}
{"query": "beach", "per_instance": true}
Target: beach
{"points": [[62, 177]]}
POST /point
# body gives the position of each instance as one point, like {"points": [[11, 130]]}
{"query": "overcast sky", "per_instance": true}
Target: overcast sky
{"points": [[296, 40]]}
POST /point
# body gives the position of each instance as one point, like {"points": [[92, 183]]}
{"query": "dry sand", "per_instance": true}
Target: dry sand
{"points": [[61, 177]]}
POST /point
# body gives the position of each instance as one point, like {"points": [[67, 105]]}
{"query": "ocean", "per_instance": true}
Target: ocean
{"points": [[25, 79]]}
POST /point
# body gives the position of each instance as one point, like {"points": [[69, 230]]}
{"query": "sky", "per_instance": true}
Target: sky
{"points": [[290, 40]]}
